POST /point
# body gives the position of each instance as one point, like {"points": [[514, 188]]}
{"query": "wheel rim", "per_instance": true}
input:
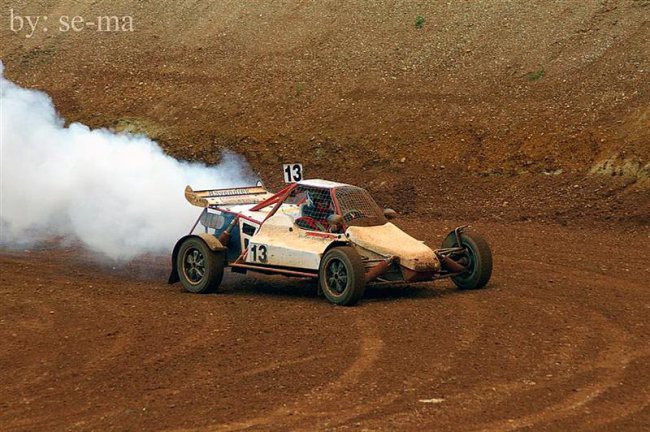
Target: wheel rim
{"points": [[336, 276], [193, 266]]}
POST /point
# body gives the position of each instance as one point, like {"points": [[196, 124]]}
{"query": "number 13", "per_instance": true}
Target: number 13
{"points": [[259, 253], [292, 173]]}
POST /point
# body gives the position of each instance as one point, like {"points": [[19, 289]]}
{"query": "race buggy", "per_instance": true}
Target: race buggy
{"points": [[317, 229]]}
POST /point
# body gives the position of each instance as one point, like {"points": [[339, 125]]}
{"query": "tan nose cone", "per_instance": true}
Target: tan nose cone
{"points": [[388, 240]]}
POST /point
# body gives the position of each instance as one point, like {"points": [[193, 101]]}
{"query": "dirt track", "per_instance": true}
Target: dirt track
{"points": [[559, 341], [440, 122]]}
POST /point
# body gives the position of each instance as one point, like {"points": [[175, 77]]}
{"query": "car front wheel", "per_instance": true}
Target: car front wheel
{"points": [[477, 259]]}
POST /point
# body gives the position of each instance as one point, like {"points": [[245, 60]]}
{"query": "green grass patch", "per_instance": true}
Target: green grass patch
{"points": [[419, 21], [536, 75]]}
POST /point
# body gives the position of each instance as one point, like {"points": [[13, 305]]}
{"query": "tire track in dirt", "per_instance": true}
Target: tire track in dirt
{"points": [[86, 363], [618, 349], [280, 364], [613, 361], [321, 403], [192, 342], [469, 318], [618, 353], [48, 319], [65, 325], [307, 407]]}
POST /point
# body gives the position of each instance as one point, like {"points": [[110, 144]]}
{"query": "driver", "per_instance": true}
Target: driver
{"points": [[314, 212]]}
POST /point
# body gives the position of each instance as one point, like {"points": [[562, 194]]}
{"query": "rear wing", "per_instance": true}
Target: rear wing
{"points": [[224, 197]]}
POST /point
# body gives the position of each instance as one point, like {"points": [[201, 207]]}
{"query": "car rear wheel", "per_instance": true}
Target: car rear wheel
{"points": [[199, 268], [477, 259], [342, 276]]}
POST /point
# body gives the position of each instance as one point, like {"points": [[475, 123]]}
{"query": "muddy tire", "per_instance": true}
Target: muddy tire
{"points": [[478, 260], [200, 269], [342, 276]]}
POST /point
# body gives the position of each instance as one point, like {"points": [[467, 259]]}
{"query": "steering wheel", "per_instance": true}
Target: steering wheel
{"points": [[353, 214]]}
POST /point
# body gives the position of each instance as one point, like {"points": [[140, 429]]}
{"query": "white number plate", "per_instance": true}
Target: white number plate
{"points": [[292, 172]]}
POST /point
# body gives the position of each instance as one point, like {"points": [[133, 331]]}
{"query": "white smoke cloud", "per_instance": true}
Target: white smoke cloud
{"points": [[118, 194]]}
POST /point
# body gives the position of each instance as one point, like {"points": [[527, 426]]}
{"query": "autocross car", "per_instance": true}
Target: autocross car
{"points": [[335, 233]]}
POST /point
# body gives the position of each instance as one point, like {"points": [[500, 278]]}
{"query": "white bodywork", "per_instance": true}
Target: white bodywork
{"points": [[278, 241], [287, 245]]}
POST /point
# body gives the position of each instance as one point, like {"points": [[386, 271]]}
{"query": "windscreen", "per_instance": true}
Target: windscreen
{"points": [[358, 208]]}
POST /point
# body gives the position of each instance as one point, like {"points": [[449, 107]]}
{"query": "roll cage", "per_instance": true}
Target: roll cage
{"points": [[350, 202]]}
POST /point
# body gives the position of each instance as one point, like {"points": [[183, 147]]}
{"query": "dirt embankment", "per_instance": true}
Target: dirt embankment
{"points": [[500, 94]]}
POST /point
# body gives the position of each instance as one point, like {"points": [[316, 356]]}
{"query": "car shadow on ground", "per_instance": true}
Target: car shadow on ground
{"points": [[278, 286], [391, 292], [273, 288]]}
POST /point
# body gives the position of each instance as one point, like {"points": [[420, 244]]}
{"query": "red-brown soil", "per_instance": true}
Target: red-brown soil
{"points": [[529, 119], [558, 341]]}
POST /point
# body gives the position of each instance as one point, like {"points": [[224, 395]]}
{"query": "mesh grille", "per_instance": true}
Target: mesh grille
{"points": [[358, 207]]}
